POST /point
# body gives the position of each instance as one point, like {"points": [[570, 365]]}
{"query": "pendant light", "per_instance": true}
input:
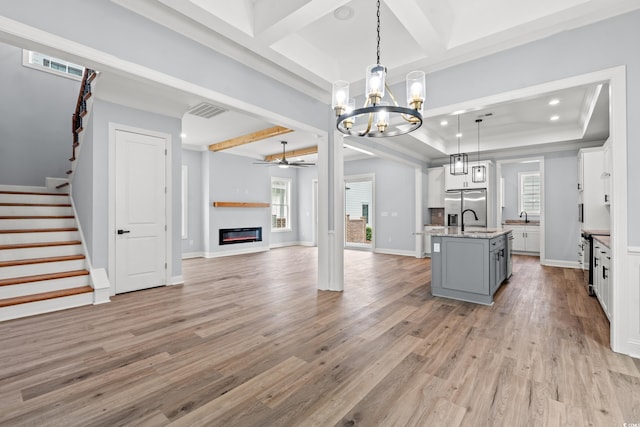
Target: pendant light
{"points": [[478, 172], [376, 113], [458, 163]]}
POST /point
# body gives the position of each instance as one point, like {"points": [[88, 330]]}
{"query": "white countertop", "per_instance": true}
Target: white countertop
{"points": [[470, 232]]}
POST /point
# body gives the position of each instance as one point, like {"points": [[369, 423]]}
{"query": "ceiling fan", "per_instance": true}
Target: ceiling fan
{"points": [[284, 163]]}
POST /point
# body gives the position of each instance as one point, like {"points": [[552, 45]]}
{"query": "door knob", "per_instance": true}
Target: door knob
{"points": [[123, 231]]}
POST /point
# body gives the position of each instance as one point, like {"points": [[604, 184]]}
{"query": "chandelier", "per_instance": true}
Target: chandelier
{"points": [[459, 162], [478, 172], [376, 111]]}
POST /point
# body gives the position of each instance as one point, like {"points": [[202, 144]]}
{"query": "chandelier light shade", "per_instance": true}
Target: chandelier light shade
{"points": [[376, 114], [478, 172], [459, 162]]}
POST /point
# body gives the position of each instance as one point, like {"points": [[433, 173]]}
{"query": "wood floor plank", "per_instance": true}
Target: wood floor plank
{"points": [[238, 345]]}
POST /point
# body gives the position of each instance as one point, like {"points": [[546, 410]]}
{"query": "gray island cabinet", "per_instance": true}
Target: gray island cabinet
{"points": [[469, 265]]}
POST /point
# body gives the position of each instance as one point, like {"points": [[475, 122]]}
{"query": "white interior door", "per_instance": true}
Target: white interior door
{"points": [[140, 218]]}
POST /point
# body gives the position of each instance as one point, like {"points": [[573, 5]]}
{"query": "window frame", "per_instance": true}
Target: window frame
{"points": [[287, 204], [521, 193], [27, 61], [185, 202]]}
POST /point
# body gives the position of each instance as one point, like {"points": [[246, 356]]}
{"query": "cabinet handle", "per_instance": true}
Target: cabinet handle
{"points": [[604, 272], [606, 198], [595, 262]]}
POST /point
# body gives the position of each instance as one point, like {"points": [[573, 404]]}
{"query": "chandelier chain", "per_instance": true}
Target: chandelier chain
{"points": [[378, 31]]}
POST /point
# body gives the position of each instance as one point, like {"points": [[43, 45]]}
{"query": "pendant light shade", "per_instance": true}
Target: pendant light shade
{"points": [[459, 162], [478, 172]]}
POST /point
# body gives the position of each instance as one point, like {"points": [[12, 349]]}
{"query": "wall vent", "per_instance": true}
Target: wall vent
{"points": [[206, 110]]}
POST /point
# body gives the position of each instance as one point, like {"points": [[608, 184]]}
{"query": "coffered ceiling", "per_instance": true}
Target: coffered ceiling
{"points": [[308, 44]]}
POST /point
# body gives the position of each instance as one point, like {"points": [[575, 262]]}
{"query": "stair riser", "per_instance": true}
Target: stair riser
{"points": [[32, 288], [33, 198], [21, 224], [44, 252], [35, 210], [43, 268], [57, 236], [39, 307]]}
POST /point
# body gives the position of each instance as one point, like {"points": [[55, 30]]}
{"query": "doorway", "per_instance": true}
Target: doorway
{"points": [[139, 243], [359, 212]]}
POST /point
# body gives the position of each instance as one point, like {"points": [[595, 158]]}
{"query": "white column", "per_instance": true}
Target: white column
{"points": [[331, 213]]}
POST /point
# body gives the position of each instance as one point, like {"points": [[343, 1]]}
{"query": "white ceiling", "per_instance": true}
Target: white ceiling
{"points": [[304, 43]]}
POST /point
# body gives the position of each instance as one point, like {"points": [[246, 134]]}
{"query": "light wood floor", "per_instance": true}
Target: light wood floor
{"points": [[249, 341]]}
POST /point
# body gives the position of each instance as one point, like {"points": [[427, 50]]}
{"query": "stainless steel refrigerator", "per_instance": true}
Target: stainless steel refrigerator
{"points": [[457, 201]]}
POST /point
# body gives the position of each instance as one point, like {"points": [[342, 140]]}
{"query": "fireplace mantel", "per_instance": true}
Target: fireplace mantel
{"points": [[240, 205]]}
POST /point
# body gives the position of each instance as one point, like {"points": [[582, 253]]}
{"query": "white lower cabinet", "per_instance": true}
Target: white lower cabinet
{"points": [[427, 238], [602, 276], [526, 238]]}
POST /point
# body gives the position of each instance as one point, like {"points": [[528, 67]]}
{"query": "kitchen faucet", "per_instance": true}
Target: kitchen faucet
{"points": [[526, 216], [462, 217]]}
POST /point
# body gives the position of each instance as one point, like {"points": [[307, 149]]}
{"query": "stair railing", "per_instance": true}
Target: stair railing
{"points": [[80, 112]]}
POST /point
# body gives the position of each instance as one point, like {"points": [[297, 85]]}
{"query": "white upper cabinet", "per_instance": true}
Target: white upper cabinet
{"points": [[606, 173], [594, 210], [463, 182], [435, 188]]}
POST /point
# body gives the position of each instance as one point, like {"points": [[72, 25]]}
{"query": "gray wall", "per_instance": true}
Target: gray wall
{"points": [[561, 206], [93, 215], [236, 179], [510, 173], [194, 241], [144, 42], [394, 193], [595, 47], [35, 121]]}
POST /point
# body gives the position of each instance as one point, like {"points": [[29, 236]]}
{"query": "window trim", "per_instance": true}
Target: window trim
{"points": [[27, 62], [185, 202], [289, 185], [521, 177]]}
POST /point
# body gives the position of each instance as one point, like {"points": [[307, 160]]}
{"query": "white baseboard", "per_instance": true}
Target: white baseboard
{"points": [[310, 244], [634, 249], [283, 245], [177, 280], [394, 252], [189, 255], [236, 252], [101, 285], [561, 263]]}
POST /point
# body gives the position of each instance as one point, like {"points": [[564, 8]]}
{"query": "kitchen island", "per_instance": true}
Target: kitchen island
{"points": [[469, 265]]}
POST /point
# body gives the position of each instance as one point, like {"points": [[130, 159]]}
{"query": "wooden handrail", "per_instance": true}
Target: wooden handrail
{"points": [[81, 108]]}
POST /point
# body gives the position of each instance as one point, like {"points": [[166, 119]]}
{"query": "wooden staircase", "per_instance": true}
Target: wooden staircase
{"points": [[42, 262]]}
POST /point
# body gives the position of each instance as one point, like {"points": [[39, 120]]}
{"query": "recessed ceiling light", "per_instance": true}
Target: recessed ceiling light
{"points": [[444, 123], [554, 102], [554, 118], [343, 13], [183, 135]]}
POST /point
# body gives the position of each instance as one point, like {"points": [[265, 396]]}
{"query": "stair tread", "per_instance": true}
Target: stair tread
{"points": [[40, 244], [40, 260], [34, 193], [8, 217], [38, 230], [54, 205], [45, 296], [42, 277]]}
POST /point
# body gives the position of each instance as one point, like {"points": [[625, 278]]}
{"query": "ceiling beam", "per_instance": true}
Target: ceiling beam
{"points": [[249, 138], [292, 153]]}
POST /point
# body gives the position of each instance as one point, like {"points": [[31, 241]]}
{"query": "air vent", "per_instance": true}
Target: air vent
{"points": [[206, 110]]}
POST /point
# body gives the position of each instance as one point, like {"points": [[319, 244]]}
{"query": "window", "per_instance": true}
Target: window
{"points": [[185, 202], [280, 204], [52, 65], [529, 192]]}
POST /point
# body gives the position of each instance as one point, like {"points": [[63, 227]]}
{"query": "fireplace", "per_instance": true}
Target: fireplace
{"points": [[230, 236]]}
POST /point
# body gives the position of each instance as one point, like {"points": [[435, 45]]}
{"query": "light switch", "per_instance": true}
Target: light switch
{"points": [[436, 247]]}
